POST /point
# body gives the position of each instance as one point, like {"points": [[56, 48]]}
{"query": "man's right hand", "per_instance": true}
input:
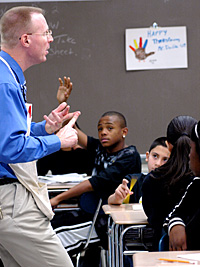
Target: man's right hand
{"points": [[68, 135]]}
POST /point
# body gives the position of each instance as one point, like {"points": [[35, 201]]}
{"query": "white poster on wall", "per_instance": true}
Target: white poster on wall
{"points": [[156, 48]]}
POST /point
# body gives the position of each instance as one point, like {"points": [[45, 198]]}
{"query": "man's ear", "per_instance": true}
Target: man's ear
{"points": [[147, 156], [24, 40]]}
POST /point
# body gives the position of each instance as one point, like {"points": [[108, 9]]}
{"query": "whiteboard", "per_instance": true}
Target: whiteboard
{"points": [[156, 48]]}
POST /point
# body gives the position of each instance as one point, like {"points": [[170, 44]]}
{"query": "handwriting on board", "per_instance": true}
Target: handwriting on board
{"points": [[66, 43]]}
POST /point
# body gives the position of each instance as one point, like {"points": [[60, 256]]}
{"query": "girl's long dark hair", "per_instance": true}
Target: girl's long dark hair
{"points": [[177, 167]]}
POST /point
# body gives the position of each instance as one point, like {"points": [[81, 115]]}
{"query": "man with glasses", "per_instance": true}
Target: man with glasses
{"points": [[26, 236]]}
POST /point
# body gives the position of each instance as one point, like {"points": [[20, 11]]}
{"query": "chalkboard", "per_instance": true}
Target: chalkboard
{"points": [[89, 46]]}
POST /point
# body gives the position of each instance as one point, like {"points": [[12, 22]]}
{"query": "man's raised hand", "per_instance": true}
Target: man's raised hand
{"points": [[68, 135], [57, 117]]}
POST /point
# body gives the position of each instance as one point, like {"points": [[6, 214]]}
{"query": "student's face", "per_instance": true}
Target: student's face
{"points": [[110, 133], [194, 159], [158, 156], [39, 44]]}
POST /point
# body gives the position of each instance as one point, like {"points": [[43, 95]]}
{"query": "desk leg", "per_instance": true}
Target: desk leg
{"points": [[113, 244], [109, 242], [121, 241], [117, 231], [121, 246]]}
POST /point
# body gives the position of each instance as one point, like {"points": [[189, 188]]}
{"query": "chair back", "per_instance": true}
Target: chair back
{"points": [[89, 202], [164, 243]]}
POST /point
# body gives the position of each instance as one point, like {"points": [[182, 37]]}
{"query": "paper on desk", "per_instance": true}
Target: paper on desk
{"points": [[137, 206], [192, 256], [64, 178], [176, 264]]}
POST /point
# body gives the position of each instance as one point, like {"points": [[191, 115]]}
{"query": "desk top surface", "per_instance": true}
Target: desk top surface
{"points": [[129, 217], [63, 181], [151, 259], [124, 207]]}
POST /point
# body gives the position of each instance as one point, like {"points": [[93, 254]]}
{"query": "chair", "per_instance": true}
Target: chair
{"points": [[70, 234], [82, 252], [164, 243]]}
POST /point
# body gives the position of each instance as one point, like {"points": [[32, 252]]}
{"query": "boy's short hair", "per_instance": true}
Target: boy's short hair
{"points": [[160, 141], [117, 114]]}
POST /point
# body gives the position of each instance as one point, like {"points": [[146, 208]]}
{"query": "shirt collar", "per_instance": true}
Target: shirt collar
{"points": [[14, 66]]}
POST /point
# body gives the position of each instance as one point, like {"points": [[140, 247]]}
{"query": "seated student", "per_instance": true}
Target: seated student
{"points": [[163, 188], [113, 161], [109, 151], [183, 222], [157, 155]]}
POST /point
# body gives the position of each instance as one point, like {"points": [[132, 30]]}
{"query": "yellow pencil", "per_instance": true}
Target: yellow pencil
{"points": [[127, 199], [181, 261]]}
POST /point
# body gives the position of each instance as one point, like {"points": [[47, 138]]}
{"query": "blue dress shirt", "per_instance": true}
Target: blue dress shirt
{"points": [[15, 146]]}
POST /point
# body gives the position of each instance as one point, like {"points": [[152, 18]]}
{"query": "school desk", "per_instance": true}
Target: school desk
{"points": [[111, 227], [122, 217], [55, 188], [151, 259]]}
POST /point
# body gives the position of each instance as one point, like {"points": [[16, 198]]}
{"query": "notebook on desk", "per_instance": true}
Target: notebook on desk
{"points": [[63, 178]]}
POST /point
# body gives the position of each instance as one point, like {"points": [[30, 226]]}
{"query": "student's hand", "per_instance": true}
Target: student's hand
{"points": [[177, 238], [122, 190], [68, 135], [120, 193], [54, 202], [57, 117], [64, 90]]}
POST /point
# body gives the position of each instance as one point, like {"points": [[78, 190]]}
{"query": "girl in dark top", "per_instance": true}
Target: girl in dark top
{"points": [[164, 187], [183, 222]]}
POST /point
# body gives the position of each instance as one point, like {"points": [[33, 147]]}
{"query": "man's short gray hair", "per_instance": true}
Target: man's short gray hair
{"points": [[15, 22]]}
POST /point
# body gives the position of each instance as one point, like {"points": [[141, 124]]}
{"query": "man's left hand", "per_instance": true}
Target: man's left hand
{"points": [[56, 118]]}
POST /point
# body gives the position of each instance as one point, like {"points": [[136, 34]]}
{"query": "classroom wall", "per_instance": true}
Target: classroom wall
{"points": [[89, 46]]}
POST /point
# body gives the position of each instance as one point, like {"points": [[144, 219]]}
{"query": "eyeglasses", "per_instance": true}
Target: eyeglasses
{"points": [[47, 33]]}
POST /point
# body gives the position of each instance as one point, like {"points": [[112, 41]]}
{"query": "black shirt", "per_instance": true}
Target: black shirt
{"points": [[62, 162]]}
